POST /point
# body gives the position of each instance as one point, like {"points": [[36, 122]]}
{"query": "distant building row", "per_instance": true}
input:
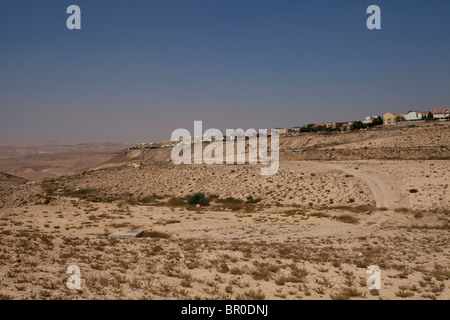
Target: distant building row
{"points": [[197, 139], [438, 114], [388, 118]]}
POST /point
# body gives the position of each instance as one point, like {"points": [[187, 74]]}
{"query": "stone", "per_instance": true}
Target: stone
{"points": [[126, 234]]}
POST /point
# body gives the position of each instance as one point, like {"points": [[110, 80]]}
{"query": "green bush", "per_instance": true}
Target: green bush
{"points": [[198, 198]]}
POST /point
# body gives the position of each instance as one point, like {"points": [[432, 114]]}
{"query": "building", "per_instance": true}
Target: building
{"points": [[391, 118], [281, 131], [294, 130], [334, 125], [369, 119], [346, 126], [441, 114], [416, 115], [149, 145], [169, 143]]}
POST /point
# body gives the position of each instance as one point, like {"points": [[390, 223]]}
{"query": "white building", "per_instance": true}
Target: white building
{"points": [[441, 114], [415, 115], [369, 119]]}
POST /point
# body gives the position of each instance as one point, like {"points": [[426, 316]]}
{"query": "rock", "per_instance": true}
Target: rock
{"points": [[127, 234], [224, 267]]}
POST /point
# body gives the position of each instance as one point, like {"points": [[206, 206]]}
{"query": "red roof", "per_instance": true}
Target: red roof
{"points": [[441, 111], [422, 112]]}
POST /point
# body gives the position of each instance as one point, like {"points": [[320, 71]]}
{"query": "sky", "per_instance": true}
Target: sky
{"points": [[137, 70]]}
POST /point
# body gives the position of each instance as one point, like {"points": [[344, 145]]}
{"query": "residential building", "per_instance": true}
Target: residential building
{"points": [[416, 115], [391, 118], [281, 131], [334, 125], [369, 119], [441, 114]]}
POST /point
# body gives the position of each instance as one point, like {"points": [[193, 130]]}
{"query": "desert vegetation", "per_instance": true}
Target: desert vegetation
{"points": [[226, 232]]}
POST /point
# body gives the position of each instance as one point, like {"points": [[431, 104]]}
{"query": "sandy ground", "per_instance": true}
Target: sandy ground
{"points": [[308, 232], [315, 229], [406, 184]]}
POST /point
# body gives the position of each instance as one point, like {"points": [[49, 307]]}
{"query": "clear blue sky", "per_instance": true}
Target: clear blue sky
{"points": [[140, 69]]}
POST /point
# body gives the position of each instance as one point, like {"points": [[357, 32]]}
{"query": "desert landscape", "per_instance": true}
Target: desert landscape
{"points": [[39, 160], [341, 202]]}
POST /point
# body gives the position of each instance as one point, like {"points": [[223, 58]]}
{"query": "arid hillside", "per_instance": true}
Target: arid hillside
{"points": [[8, 181], [309, 232], [380, 197], [412, 135], [306, 184], [14, 150], [36, 162], [416, 141]]}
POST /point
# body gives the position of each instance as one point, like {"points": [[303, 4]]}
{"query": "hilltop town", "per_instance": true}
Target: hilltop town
{"points": [[388, 118]]}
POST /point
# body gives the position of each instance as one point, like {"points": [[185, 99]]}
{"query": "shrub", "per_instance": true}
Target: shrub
{"points": [[147, 199], [5, 297], [250, 200], [231, 203], [254, 295], [198, 198]]}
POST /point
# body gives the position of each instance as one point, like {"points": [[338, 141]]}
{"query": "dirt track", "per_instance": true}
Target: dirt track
{"points": [[383, 190]]}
